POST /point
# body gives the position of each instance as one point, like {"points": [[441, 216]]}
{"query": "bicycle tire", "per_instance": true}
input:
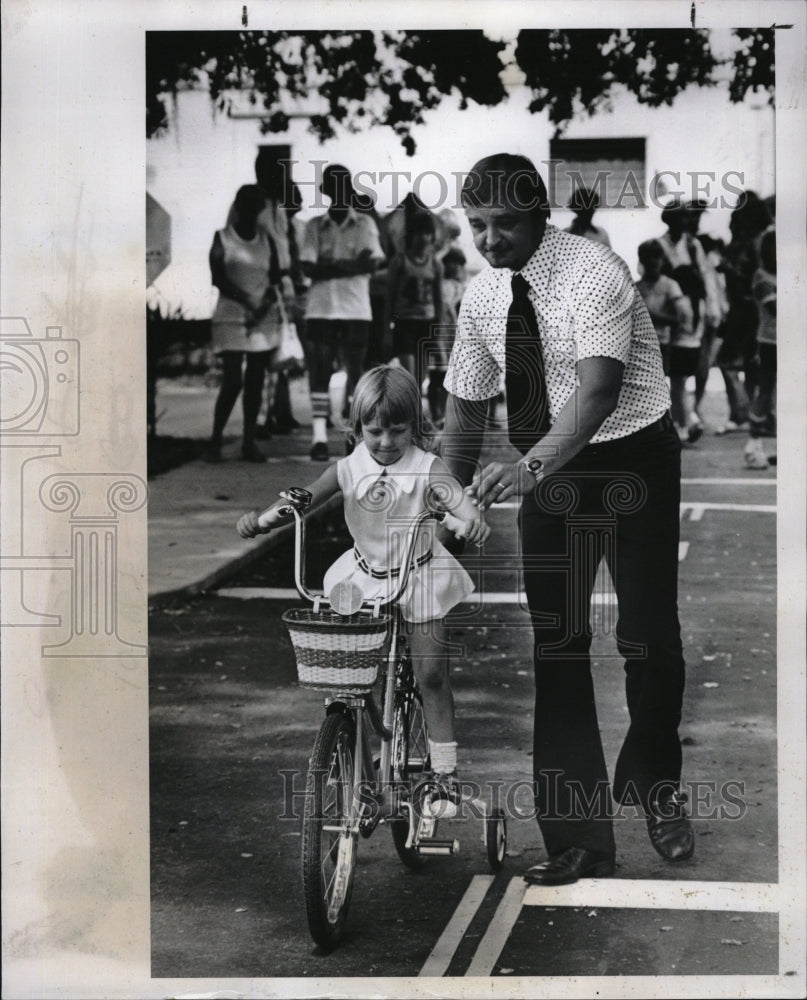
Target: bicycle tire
{"points": [[329, 857], [496, 839], [410, 751]]}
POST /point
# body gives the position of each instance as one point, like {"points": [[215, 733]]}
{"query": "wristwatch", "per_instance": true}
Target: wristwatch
{"points": [[536, 467]]}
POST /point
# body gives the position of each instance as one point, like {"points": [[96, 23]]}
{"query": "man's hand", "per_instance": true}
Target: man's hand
{"points": [[498, 482]]}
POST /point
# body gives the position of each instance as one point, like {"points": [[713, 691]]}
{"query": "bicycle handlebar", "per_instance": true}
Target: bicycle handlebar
{"points": [[299, 500]]}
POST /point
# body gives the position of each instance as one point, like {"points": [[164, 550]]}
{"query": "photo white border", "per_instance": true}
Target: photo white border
{"points": [[73, 239]]}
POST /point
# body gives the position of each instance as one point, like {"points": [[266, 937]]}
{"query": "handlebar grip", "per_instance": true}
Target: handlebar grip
{"points": [[284, 511], [455, 524]]}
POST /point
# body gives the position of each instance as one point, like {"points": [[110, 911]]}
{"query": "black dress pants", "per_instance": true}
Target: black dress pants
{"points": [[617, 501]]}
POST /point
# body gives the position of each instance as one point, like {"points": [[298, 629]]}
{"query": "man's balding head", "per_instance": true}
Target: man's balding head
{"points": [[506, 179], [506, 204]]}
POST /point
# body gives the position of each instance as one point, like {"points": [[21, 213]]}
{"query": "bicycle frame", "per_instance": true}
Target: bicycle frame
{"points": [[381, 721]]}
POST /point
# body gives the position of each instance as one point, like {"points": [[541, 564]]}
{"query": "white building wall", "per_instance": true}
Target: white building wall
{"points": [[195, 169]]}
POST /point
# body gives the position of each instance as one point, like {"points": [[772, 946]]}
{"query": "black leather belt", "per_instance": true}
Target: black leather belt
{"points": [[383, 574], [663, 424]]}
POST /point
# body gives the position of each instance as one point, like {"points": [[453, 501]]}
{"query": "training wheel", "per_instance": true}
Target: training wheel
{"points": [[496, 839]]}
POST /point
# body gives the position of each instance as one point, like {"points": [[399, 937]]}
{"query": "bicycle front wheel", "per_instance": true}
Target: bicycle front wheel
{"points": [[329, 845], [410, 751]]}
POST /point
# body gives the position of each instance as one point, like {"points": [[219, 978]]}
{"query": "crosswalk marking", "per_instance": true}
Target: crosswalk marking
{"points": [[440, 958], [616, 893], [750, 897], [495, 938]]}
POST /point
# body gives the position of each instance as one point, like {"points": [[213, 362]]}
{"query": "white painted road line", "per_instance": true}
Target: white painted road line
{"points": [[492, 597], [255, 593], [728, 482], [439, 960], [728, 897], [491, 945], [701, 506], [753, 897], [697, 509]]}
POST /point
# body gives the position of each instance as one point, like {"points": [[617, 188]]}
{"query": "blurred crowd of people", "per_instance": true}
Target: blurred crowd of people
{"points": [[354, 288], [357, 289], [715, 304]]}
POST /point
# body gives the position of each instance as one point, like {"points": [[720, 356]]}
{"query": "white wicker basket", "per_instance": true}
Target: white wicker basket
{"points": [[337, 653]]}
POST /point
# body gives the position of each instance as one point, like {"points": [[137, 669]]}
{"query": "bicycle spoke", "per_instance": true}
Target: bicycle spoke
{"points": [[328, 846], [410, 754]]}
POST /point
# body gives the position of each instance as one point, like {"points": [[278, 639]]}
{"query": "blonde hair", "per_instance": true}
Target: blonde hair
{"points": [[390, 396]]}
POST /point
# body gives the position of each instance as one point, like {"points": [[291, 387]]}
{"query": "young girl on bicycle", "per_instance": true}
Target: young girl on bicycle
{"points": [[386, 481]]}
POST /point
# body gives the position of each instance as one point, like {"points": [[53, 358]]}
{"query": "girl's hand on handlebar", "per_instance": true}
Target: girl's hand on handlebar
{"points": [[473, 528], [249, 525], [476, 530]]}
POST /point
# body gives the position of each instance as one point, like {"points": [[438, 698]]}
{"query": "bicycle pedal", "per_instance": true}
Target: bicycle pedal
{"points": [[426, 828], [421, 828], [438, 847]]}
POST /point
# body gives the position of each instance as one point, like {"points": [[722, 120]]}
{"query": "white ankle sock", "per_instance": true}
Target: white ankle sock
{"points": [[444, 757], [319, 430]]}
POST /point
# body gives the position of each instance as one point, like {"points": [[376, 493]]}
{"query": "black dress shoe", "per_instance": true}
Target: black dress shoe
{"points": [[569, 866], [670, 831], [319, 451]]}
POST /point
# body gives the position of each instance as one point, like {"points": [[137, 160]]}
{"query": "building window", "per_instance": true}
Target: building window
{"points": [[613, 168]]}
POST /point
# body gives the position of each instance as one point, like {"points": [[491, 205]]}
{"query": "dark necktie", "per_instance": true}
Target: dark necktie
{"points": [[524, 380]]}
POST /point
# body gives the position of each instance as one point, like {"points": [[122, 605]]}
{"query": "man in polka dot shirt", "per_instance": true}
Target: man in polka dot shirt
{"points": [[599, 478]]}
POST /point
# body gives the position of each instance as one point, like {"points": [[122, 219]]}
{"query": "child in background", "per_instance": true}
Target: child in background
{"points": [[672, 313], [386, 481], [685, 352], [762, 416], [414, 297], [713, 249], [454, 282]]}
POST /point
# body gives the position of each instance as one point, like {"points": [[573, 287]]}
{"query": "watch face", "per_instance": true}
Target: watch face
{"points": [[535, 465]]}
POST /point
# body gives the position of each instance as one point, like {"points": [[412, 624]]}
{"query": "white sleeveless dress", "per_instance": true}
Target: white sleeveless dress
{"points": [[246, 263], [380, 502]]}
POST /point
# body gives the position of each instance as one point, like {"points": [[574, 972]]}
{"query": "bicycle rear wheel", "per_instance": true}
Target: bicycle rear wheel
{"points": [[410, 751], [328, 845]]}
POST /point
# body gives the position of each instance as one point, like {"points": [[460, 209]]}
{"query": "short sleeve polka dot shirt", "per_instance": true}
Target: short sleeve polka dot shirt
{"points": [[587, 306]]}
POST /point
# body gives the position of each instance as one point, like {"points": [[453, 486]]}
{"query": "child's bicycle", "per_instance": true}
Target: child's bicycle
{"points": [[355, 782]]}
